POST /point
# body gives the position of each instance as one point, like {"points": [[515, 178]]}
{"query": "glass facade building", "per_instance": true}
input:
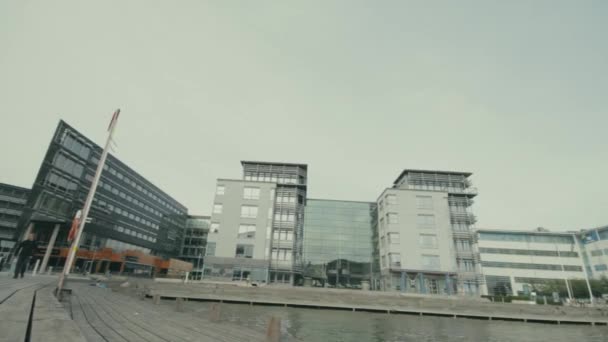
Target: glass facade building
{"points": [[194, 242], [12, 202], [337, 246], [128, 211]]}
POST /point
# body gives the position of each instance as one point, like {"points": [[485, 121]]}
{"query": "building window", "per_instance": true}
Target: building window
{"points": [[251, 193], [383, 261], [220, 190], [284, 235], [392, 218], [217, 208], [215, 227], [526, 237], [391, 199], [600, 268], [247, 231], [394, 259], [562, 254], [210, 249], [597, 252], [424, 202], [244, 251], [282, 254], [427, 240], [466, 265], [383, 242], [463, 245], [393, 238], [249, 211], [430, 262], [426, 221], [528, 266]]}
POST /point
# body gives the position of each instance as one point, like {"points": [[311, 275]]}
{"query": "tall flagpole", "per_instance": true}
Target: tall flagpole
{"points": [[87, 206]]}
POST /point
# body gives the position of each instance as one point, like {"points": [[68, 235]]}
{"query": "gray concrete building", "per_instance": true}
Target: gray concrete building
{"points": [[424, 235], [257, 224]]}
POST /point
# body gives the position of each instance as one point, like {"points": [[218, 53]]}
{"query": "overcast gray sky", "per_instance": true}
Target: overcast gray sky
{"points": [[513, 91]]}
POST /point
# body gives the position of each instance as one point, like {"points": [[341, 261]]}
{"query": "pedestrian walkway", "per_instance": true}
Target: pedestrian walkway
{"points": [[29, 311], [104, 315]]}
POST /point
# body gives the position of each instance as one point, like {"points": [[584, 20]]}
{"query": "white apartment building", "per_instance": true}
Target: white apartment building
{"points": [[238, 244], [514, 261], [423, 234], [256, 225]]}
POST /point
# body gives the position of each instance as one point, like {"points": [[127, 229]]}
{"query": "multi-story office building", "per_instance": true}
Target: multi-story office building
{"points": [[12, 202], [194, 242], [257, 224], [338, 246], [513, 262], [128, 211], [424, 234]]}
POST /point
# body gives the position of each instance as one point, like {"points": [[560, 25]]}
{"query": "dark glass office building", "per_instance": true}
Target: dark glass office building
{"points": [[128, 211], [338, 245], [12, 202]]}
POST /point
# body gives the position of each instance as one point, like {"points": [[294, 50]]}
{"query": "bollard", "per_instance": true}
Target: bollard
{"points": [[179, 304], [215, 313], [273, 334], [156, 299], [49, 270]]}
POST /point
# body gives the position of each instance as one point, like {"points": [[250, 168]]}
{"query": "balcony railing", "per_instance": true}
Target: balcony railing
{"points": [[462, 234], [462, 216]]}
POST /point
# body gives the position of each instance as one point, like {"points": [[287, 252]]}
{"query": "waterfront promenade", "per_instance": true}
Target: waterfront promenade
{"points": [[380, 302], [29, 311]]}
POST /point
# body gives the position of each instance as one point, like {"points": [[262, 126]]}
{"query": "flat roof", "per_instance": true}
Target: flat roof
{"points": [[467, 174], [4, 185], [335, 200], [247, 181], [243, 162]]}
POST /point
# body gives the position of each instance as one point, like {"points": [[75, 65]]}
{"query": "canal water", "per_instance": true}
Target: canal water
{"points": [[345, 326]]}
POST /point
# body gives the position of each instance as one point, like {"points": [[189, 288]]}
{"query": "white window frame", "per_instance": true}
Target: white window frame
{"points": [[251, 193], [394, 238], [249, 211], [422, 240], [220, 190], [245, 231]]}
